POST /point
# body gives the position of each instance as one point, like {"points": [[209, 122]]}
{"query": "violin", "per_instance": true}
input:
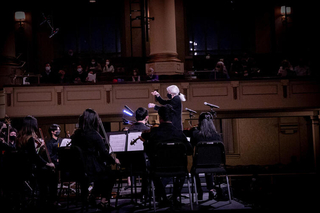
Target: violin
{"points": [[45, 147], [107, 141], [145, 131]]}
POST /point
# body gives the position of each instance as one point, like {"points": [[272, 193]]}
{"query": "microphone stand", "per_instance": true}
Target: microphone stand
{"points": [[191, 115]]}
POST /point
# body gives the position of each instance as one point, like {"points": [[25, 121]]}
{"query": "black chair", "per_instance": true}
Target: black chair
{"points": [[73, 169], [169, 160], [209, 157]]}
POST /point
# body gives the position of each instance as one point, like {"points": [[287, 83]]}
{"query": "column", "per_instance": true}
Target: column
{"points": [[163, 48]]}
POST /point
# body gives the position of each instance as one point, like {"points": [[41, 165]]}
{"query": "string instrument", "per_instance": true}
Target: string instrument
{"points": [[145, 131], [107, 141], [45, 146], [8, 122]]}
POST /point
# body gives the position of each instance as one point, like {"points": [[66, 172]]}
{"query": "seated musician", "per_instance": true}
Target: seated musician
{"points": [[26, 141], [53, 143], [96, 156], [142, 116], [166, 132], [206, 132]]}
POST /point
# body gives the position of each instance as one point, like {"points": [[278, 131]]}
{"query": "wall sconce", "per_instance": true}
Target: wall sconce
{"points": [[285, 12], [20, 16]]}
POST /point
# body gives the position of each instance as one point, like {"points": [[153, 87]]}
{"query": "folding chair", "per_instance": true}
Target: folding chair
{"points": [[170, 160], [209, 157]]}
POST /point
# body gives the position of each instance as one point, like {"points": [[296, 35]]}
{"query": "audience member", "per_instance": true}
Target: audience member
{"points": [[286, 69], [93, 67], [220, 71], [151, 76], [108, 67], [135, 76], [48, 76], [62, 77], [236, 69], [79, 76]]}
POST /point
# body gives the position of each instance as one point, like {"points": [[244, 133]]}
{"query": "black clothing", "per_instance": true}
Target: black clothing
{"points": [[52, 146], [45, 177], [50, 77], [95, 156], [83, 76], [176, 104], [94, 151], [166, 132], [197, 137], [138, 127]]}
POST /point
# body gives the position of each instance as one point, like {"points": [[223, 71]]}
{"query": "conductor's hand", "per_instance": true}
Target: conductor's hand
{"points": [[117, 161], [155, 93], [151, 105]]}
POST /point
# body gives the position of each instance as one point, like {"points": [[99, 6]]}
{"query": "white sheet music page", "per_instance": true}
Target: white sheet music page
{"points": [[138, 146], [118, 142]]}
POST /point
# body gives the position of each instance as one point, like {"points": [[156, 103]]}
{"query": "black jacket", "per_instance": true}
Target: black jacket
{"points": [[94, 151], [166, 132], [176, 104]]}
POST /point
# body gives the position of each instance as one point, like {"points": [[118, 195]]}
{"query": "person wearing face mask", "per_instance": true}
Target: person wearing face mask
{"points": [[175, 100], [53, 143], [80, 75], [108, 67], [94, 66], [48, 76]]}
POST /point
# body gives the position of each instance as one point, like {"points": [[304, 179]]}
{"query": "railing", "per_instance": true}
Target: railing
{"points": [[109, 99]]}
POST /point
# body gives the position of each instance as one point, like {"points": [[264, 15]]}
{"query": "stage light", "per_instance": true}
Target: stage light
{"points": [[127, 112]]}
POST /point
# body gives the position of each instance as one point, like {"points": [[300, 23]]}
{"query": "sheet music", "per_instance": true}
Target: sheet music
{"points": [[65, 142], [118, 142], [138, 146]]}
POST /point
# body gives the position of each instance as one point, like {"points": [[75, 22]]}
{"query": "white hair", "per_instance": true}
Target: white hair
{"points": [[173, 89]]}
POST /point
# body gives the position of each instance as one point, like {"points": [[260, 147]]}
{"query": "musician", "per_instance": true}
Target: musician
{"points": [[206, 131], [142, 116], [26, 141], [12, 138], [175, 98], [95, 155], [166, 132], [53, 143]]}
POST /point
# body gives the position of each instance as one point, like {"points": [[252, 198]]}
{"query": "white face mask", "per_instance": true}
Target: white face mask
{"points": [[48, 68], [107, 63], [79, 69]]}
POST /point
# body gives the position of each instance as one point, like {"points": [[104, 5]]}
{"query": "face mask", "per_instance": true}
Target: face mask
{"points": [[107, 63], [48, 68], [79, 69], [169, 96], [57, 133], [92, 62], [12, 138]]}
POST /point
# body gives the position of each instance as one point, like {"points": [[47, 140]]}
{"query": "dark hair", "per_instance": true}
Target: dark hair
{"points": [[206, 125], [29, 126], [165, 112], [141, 113], [53, 128], [89, 120]]}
